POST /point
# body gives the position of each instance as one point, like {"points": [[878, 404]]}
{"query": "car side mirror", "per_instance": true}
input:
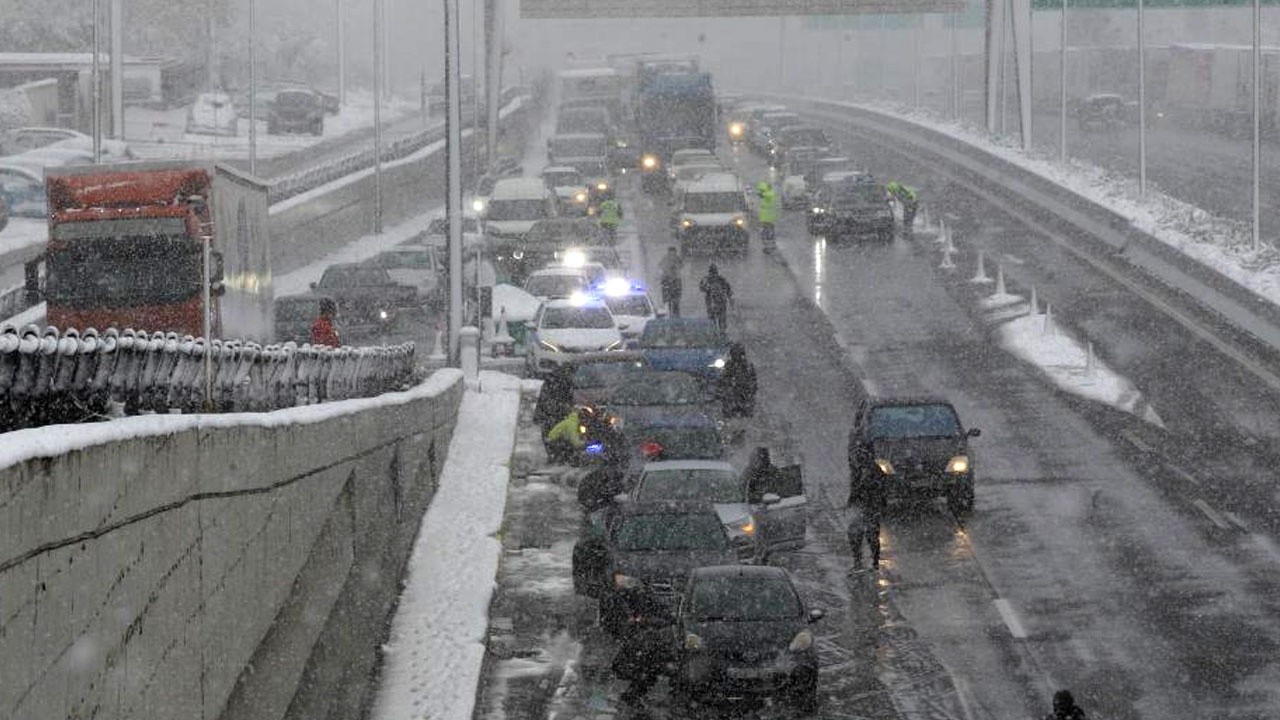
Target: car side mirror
{"points": [[771, 499], [974, 432], [816, 614]]}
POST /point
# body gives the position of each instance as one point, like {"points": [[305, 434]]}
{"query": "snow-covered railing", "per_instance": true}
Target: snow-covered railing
{"points": [[49, 377], [296, 183]]}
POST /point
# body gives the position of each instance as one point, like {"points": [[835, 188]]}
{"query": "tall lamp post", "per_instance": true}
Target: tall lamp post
{"points": [[377, 117], [253, 90]]}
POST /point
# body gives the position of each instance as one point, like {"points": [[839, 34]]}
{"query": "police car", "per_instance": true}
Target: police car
{"points": [[629, 302]]}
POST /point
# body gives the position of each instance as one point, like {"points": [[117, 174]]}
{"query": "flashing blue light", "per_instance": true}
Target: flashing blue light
{"points": [[595, 448], [617, 287]]}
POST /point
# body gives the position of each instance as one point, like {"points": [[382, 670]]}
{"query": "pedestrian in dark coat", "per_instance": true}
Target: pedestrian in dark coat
{"points": [[555, 399], [645, 646], [737, 384], [1065, 708], [718, 294], [868, 502]]}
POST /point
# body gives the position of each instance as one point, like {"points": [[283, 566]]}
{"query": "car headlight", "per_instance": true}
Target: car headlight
{"points": [[620, 143], [686, 223], [745, 526], [548, 346], [602, 186], [517, 254], [735, 129], [885, 466], [739, 222], [692, 642], [801, 642], [819, 211], [383, 315], [649, 162], [580, 197], [718, 363], [958, 465], [477, 205], [625, 582]]}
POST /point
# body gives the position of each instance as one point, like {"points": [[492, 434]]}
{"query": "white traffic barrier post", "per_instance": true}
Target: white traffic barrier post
{"points": [[469, 340], [437, 352], [980, 275], [1090, 361], [1000, 289], [1047, 328], [947, 262], [502, 340], [1035, 304]]}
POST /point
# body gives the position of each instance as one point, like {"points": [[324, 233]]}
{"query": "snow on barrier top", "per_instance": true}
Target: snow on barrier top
{"points": [[49, 377]]}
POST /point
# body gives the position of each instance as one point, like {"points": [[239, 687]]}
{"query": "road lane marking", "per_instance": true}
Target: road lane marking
{"points": [[1010, 618], [1235, 520], [1213, 515], [1135, 441], [1183, 474]]}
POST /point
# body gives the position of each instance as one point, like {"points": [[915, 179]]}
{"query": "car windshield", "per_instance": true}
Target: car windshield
{"points": [[743, 598], [404, 259], [548, 286], [296, 99], [702, 442], [529, 209], [582, 120], [714, 202], [682, 335], [692, 172], [805, 136], [593, 376], [578, 147], [586, 318], [670, 532], [565, 178], [857, 194], [659, 388], [629, 305], [349, 277], [707, 484], [908, 421]]}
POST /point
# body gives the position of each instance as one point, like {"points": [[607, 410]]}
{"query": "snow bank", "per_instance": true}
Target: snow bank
{"points": [[1218, 243], [520, 305], [436, 649], [22, 233], [55, 440], [1067, 364]]}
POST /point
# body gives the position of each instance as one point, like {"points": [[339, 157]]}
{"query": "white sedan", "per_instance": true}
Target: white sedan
{"points": [[565, 329]]}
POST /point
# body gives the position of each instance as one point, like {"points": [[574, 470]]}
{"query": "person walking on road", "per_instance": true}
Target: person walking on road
{"points": [[767, 215], [645, 645], [717, 293], [1065, 708], [908, 198], [672, 286], [323, 331], [737, 384], [867, 500], [610, 219]]}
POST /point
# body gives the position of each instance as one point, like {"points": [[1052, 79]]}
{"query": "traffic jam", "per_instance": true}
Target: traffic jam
{"points": [[688, 498]]}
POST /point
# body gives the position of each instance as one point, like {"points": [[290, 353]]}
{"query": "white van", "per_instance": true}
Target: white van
{"points": [[516, 204]]}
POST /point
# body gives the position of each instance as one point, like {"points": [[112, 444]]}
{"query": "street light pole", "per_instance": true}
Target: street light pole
{"points": [[453, 174], [253, 90], [1062, 86], [96, 86], [955, 78], [1257, 124], [116, 27], [340, 18], [1142, 102], [377, 117]]}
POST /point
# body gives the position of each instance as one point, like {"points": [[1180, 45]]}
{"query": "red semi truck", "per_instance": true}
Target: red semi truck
{"points": [[127, 242]]}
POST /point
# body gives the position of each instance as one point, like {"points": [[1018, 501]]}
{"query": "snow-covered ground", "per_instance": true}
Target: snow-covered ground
{"points": [[161, 134], [436, 649], [1221, 244], [22, 233]]}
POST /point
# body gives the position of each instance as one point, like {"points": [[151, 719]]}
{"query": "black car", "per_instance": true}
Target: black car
{"points": [[296, 110], [856, 205], [649, 395], [650, 546], [797, 136], [744, 630], [915, 447], [367, 296], [680, 436], [542, 245]]}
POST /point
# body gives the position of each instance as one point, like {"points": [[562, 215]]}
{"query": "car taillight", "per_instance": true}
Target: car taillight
{"points": [[650, 449]]}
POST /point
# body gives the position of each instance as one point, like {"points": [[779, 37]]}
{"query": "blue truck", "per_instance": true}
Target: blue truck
{"points": [[674, 111]]}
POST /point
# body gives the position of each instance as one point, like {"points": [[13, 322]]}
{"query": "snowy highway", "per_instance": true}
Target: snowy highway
{"points": [[1132, 563]]}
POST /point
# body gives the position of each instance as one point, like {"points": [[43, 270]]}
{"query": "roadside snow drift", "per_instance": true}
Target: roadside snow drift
{"points": [[436, 648]]}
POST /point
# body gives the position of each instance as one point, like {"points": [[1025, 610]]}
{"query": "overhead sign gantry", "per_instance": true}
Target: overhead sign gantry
{"points": [[562, 9]]}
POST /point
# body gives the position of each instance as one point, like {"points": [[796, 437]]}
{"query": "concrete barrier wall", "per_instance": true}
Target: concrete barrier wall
{"points": [[186, 566]]}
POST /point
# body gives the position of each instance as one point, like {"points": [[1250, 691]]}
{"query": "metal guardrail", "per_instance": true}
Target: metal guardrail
{"points": [[293, 184], [49, 377]]}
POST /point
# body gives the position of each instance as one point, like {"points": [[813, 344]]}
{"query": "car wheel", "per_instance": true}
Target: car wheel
{"points": [[804, 694], [960, 502]]}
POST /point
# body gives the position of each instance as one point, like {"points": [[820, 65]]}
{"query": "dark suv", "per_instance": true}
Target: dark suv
{"points": [[856, 205], [916, 447], [296, 110]]}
